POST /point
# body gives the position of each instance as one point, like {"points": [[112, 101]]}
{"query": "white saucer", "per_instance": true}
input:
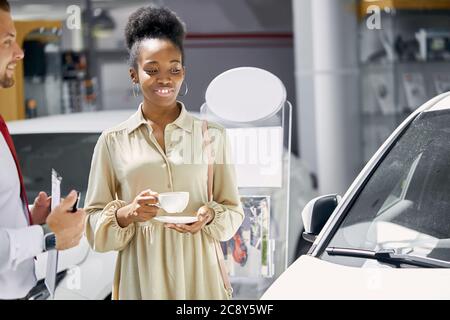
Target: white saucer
{"points": [[176, 219]]}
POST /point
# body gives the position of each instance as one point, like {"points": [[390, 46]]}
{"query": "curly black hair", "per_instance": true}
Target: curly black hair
{"points": [[153, 22], [4, 5]]}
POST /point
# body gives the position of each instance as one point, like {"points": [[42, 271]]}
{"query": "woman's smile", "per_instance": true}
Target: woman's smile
{"points": [[164, 92]]}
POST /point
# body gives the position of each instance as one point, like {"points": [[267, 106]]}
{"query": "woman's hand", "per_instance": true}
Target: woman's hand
{"points": [[205, 215], [143, 208]]}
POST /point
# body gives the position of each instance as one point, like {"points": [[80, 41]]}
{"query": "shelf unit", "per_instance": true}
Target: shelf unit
{"points": [[394, 75]]}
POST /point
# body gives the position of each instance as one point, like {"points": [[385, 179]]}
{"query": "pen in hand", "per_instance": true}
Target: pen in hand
{"points": [[75, 208]]}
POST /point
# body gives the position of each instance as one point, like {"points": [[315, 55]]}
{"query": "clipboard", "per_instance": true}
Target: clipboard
{"points": [[52, 258]]}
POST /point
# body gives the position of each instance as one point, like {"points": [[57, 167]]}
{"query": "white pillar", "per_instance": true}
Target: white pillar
{"points": [[327, 89]]}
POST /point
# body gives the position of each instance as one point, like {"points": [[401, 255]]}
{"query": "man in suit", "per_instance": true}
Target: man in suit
{"points": [[24, 232]]}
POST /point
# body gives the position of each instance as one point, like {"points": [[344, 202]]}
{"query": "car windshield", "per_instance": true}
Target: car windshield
{"points": [[405, 205], [69, 154]]}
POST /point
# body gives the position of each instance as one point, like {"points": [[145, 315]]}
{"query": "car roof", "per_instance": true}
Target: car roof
{"points": [[437, 103], [73, 122], [81, 122], [442, 104]]}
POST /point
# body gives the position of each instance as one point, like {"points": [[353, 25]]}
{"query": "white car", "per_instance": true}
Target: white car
{"points": [[66, 143], [389, 236]]}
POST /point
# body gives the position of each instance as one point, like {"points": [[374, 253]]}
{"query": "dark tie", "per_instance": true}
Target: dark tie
{"points": [[10, 143]]}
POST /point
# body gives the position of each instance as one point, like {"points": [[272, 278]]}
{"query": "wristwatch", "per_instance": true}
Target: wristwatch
{"points": [[49, 239]]}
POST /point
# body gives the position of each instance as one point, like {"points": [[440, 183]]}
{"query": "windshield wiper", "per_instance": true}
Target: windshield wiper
{"points": [[389, 256]]}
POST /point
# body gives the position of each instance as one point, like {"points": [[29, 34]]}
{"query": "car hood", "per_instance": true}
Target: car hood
{"points": [[67, 258], [312, 278]]}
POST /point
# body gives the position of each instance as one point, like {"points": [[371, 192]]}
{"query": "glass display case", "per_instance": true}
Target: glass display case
{"points": [[404, 55], [42, 72], [258, 128]]}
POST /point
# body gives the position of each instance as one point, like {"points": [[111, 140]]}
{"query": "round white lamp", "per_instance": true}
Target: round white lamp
{"points": [[245, 94]]}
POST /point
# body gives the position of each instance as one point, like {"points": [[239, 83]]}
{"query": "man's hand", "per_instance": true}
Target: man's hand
{"points": [[67, 226], [204, 214], [41, 208]]}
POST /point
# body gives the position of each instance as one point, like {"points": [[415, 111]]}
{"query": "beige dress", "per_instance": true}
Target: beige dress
{"points": [[155, 262]]}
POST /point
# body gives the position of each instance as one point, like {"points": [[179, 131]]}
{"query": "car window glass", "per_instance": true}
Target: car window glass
{"points": [[68, 153], [405, 204]]}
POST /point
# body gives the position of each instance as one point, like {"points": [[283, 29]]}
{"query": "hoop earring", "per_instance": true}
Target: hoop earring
{"points": [[185, 91], [136, 89]]}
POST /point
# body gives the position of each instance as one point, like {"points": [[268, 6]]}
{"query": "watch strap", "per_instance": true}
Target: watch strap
{"points": [[49, 241]]}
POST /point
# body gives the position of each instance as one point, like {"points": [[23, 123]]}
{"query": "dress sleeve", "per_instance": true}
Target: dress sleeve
{"points": [[102, 229], [228, 212]]}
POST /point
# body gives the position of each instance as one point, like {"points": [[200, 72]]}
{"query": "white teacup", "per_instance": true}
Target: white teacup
{"points": [[173, 202]]}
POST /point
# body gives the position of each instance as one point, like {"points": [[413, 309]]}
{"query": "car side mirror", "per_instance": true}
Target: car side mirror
{"points": [[316, 213]]}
